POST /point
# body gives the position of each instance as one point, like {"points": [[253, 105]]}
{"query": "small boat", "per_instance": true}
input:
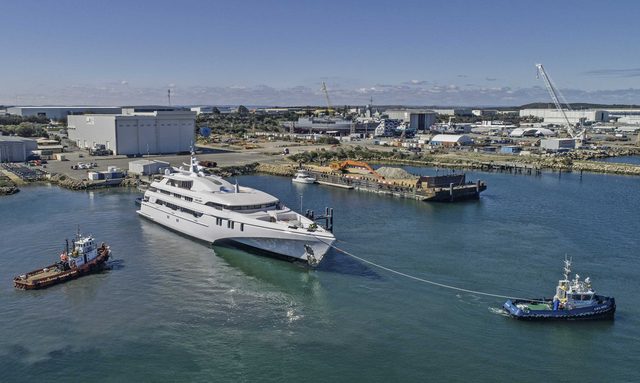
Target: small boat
{"points": [[574, 300], [85, 258], [303, 177]]}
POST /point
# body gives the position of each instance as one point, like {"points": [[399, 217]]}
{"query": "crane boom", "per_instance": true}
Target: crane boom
{"points": [[556, 96], [326, 95]]}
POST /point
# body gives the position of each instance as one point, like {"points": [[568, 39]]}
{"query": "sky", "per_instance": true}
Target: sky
{"points": [[467, 53]]}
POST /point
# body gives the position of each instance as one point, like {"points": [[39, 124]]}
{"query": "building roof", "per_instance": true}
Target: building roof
{"points": [[409, 111], [519, 132], [450, 138], [16, 139], [64, 107], [148, 162]]}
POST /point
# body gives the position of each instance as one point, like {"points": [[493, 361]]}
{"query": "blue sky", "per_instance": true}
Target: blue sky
{"points": [[279, 52]]}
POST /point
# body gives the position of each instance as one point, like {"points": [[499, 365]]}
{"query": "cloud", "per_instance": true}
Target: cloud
{"points": [[124, 82], [490, 78], [418, 82], [407, 93], [462, 76], [634, 72]]}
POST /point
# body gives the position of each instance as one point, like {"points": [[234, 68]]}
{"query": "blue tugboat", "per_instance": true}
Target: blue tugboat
{"points": [[574, 300]]}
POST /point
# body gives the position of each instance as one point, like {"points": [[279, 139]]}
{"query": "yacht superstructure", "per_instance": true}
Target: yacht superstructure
{"points": [[211, 209]]}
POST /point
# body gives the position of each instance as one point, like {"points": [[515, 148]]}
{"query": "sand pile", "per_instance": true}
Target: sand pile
{"points": [[394, 173]]}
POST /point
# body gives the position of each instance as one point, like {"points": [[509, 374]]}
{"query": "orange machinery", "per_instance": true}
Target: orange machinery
{"points": [[344, 165]]}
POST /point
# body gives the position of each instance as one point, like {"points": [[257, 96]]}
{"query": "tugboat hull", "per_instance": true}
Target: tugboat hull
{"points": [[53, 275], [534, 310]]}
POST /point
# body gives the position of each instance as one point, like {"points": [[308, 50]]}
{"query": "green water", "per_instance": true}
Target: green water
{"points": [[175, 310]]}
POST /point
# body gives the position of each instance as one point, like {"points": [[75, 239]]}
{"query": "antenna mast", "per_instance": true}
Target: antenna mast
{"points": [[169, 95]]}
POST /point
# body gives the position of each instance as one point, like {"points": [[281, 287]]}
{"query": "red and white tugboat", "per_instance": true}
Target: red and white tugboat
{"points": [[85, 258]]}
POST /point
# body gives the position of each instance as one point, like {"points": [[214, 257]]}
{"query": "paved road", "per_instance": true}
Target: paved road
{"points": [[223, 157]]}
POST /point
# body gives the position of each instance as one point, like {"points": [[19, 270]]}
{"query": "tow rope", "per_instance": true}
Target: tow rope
{"points": [[425, 280]]}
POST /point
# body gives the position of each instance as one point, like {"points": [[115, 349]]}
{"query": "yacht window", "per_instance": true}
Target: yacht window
{"points": [[177, 195], [253, 207], [164, 192], [214, 205], [151, 188], [242, 227], [188, 199], [171, 206]]}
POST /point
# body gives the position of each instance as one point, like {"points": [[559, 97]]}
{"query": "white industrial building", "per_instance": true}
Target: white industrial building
{"points": [[484, 112], [554, 116], [451, 140], [60, 112], [16, 149], [558, 144], [453, 111], [147, 167], [202, 110], [532, 132], [322, 125], [134, 133], [418, 120]]}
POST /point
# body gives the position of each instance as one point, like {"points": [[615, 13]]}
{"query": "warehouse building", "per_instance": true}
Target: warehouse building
{"points": [[387, 127], [558, 144], [60, 112], [202, 110], [322, 125], [134, 132], [451, 140], [417, 120], [16, 149], [148, 167], [554, 116], [484, 112], [532, 132], [453, 111]]}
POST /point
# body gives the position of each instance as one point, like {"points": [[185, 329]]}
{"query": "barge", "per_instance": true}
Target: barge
{"points": [[360, 176], [85, 258]]}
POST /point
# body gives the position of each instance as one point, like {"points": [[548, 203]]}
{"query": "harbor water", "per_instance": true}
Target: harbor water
{"points": [[172, 309], [633, 160]]}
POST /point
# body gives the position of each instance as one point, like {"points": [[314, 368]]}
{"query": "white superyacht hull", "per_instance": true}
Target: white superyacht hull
{"points": [[284, 242]]}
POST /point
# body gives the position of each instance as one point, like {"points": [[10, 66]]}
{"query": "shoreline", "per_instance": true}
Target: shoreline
{"points": [[482, 163]]}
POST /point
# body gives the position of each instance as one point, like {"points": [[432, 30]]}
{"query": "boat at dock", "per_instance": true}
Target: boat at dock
{"points": [[574, 300], [303, 177], [84, 258]]}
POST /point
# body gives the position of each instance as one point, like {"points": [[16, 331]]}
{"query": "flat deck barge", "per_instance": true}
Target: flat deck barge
{"points": [[448, 188]]}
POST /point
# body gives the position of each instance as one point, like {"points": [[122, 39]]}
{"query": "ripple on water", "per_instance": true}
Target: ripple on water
{"points": [[174, 309]]}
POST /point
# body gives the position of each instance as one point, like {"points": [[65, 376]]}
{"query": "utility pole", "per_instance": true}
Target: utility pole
{"points": [[169, 95]]}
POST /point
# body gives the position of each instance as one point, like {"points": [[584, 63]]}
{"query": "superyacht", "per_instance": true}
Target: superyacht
{"points": [[213, 210]]}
